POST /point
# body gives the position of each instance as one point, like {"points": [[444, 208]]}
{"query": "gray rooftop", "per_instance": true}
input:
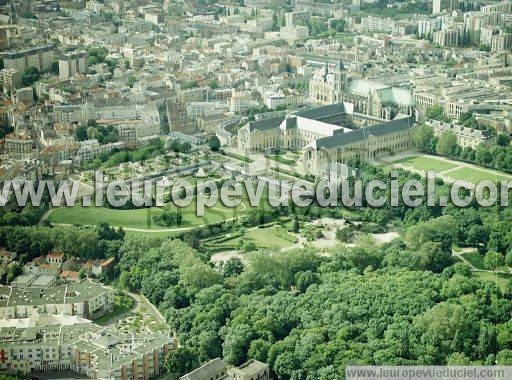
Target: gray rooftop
{"points": [[347, 138]]}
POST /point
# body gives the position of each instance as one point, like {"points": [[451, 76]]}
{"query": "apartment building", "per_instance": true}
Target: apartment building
{"points": [[90, 149], [72, 63], [444, 5], [10, 79], [282, 99], [502, 7], [378, 24], [501, 42], [466, 137], [448, 37], [293, 33], [197, 94], [85, 299], [19, 145], [53, 343], [257, 26], [40, 57]]}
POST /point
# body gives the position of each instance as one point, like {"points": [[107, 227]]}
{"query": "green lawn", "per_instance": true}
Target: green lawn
{"points": [[475, 175], [143, 218], [279, 156], [238, 157], [475, 259], [122, 305], [426, 163], [264, 238], [500, 279]]}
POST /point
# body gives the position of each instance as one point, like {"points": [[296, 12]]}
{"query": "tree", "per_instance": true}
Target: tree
{"points": [[502, 139], [236, 343], [214, 143], [233, 267], [249, 246], [442, 230], [436, 112], [295, 225], [13, 271], [447, 144], [345, 235], [81, 133], [54, 68], [29, 76], [508, 258], [199, 276], [131, 81], [424, 139], [82, 274], [181, 361], [483, 156], [304, 279], [493, 260]]}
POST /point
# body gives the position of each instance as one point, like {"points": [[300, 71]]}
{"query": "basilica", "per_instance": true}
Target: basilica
{"points": [[330, 84]]}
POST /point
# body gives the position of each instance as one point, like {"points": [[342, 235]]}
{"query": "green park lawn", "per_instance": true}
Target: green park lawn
{"points": [[426, 163], [501, 279], [475, 259], [475, 175], [265, 238], [143, 218]]}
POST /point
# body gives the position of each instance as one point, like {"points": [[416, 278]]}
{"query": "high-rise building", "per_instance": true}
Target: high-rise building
{"points": [[448, 37], [40, 57], [501, 42], [442, 5], [72, 63]]}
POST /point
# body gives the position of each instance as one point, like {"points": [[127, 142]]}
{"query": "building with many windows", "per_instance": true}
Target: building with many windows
{"points": [[330, 85], [40, 57], [53, 343], [85, 299], [328, 134], [72, 63]]}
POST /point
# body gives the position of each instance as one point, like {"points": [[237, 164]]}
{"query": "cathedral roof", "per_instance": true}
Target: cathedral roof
{"points": [[387, 94], [347, 138], [264, 124], [322, 111]]}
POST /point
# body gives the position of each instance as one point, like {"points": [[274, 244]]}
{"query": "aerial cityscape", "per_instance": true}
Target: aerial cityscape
{"points": [[256, 189]]}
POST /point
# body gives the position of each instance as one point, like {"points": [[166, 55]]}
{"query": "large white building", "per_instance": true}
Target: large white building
{"points": [[441, 5], [72, 63], [448, 37], [326, 135], [501, 42], [84, 299], [293, 33], [54, 343]]}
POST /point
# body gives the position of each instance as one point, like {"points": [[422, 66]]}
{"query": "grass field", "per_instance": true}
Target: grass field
{"points": [[143, 218], [500, 279], [475, 259], [426, 163], [475, 175], [264, 238]]}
